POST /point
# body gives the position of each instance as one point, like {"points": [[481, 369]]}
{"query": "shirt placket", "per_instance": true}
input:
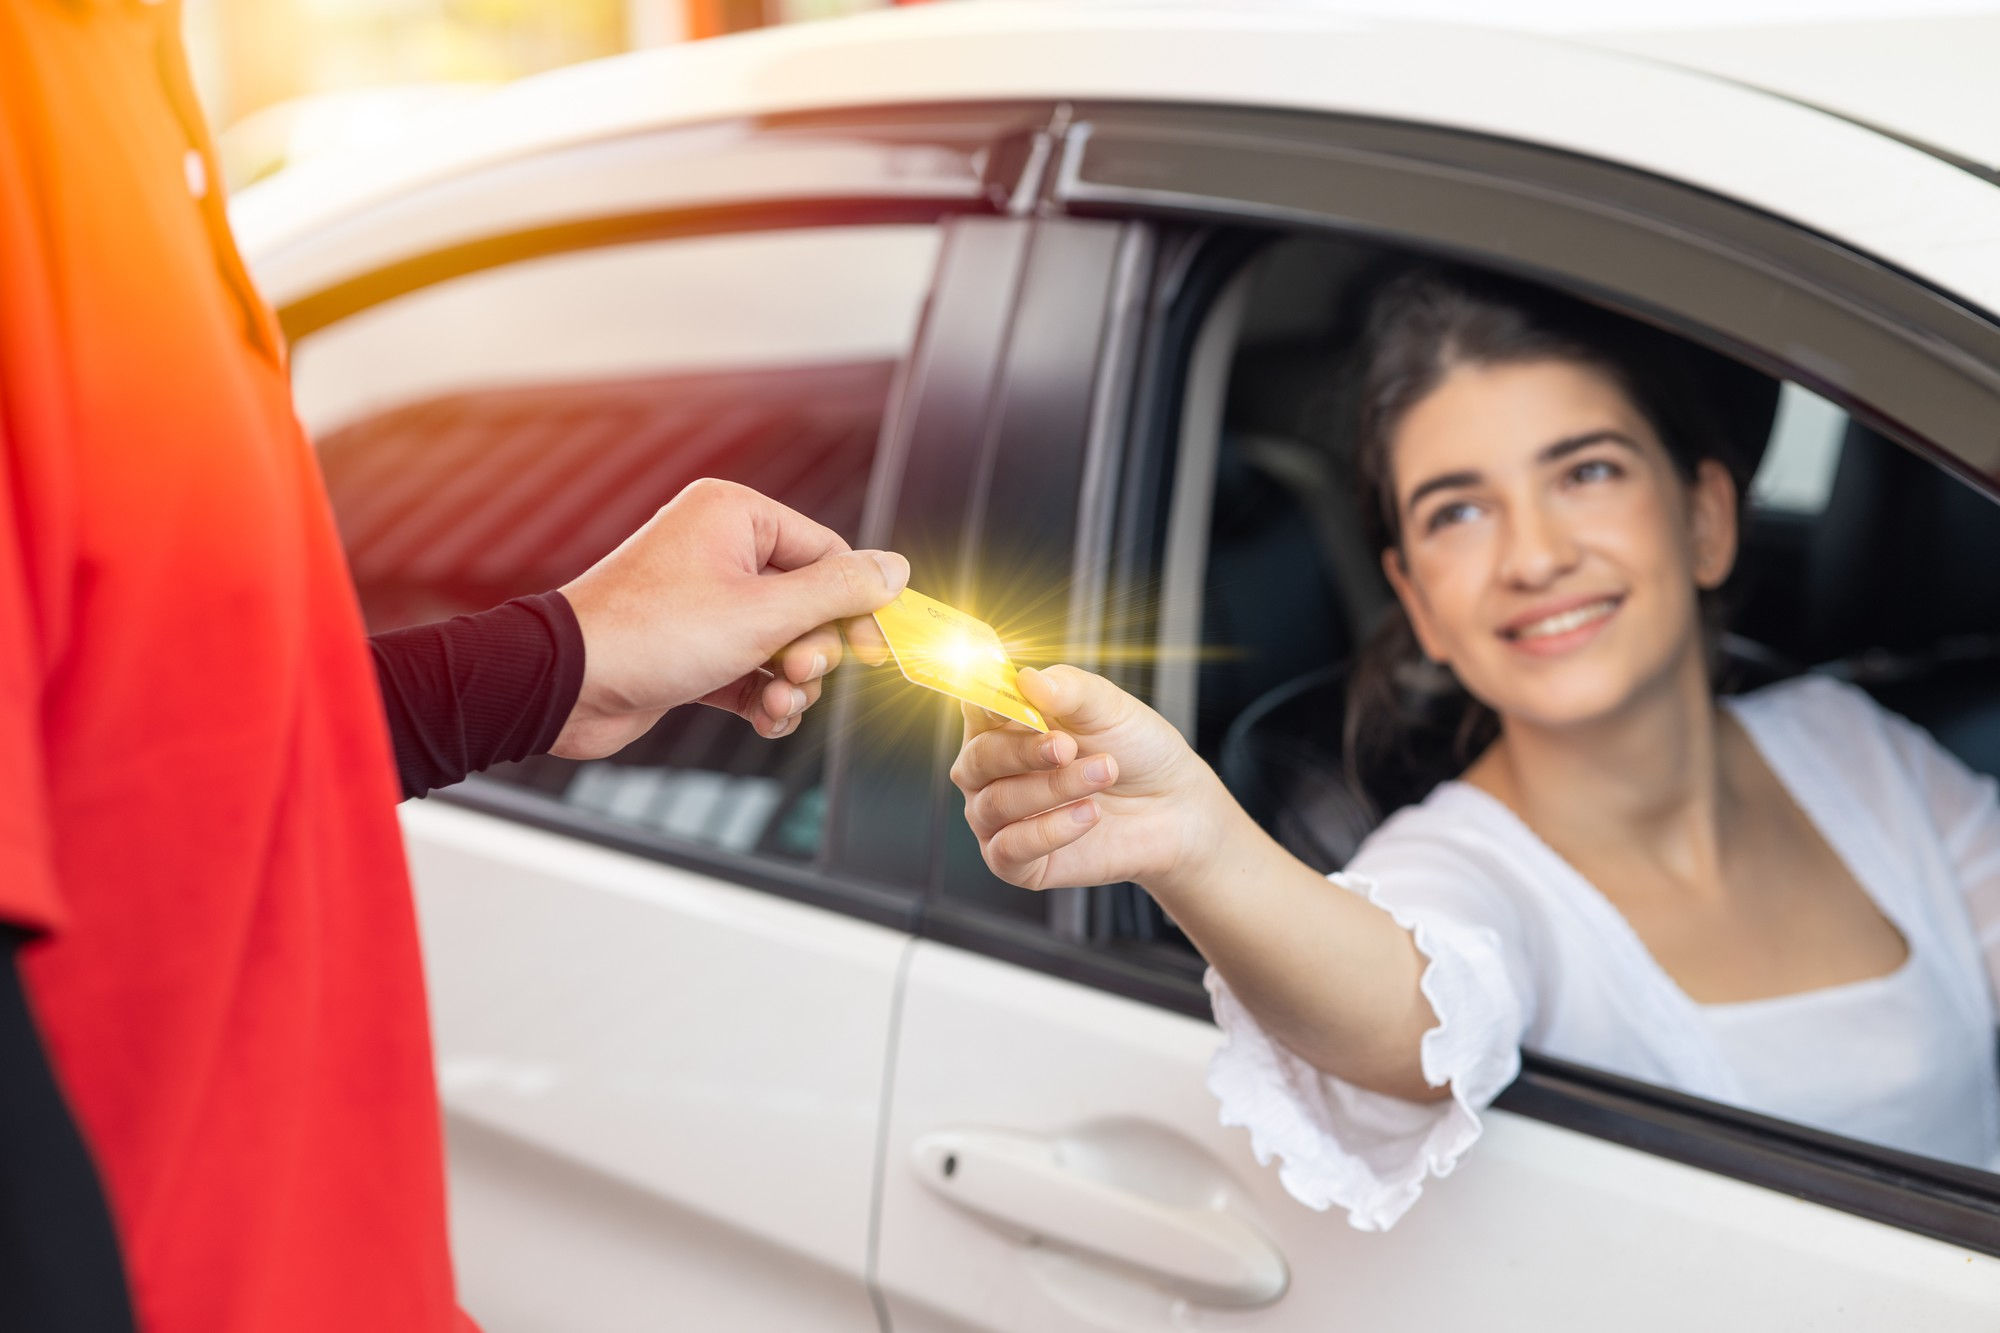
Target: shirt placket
{"points": [[204, 180]]}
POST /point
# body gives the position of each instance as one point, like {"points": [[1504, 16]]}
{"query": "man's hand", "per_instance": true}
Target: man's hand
{"points": [[724, 597]]}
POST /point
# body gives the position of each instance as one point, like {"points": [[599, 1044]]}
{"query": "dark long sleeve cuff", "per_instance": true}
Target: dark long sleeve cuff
{"points": [[472, 691]]}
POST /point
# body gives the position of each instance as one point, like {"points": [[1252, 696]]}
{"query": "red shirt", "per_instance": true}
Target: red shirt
{"points": [[196, 793]]}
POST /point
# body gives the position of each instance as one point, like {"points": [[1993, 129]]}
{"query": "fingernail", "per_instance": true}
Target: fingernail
{"points": [[798, 701], [895, 569], [1083, 812], [1047, 752], [1098, 769], [818, 666]]}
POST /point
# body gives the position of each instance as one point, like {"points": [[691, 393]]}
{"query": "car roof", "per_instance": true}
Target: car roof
{"points": [[1929, 79], [1885, 196]]}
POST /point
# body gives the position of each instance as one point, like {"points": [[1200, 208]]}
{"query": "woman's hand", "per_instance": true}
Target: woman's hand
{"points": [[1111, 793], [1329, 973]]}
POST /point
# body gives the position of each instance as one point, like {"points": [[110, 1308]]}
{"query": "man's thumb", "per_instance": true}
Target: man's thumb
{"points": [[837, 587]]}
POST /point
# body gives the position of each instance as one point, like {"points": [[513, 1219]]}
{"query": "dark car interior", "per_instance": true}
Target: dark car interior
{"points": [[1891, 580]]}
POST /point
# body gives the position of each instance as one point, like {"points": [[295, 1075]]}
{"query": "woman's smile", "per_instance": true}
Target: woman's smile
{"points": [[1552, 630]]}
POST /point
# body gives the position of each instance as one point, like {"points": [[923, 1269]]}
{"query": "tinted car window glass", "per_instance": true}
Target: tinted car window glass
{"points": [[493, 435]]}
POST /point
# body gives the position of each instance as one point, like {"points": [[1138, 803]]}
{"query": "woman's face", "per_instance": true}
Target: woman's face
{"points": [[1550, 554]]}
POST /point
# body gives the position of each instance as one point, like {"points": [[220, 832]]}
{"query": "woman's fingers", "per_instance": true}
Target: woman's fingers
{"points": [[978, 720], [1006, 801], [1083, 702], [1019, 852], [995, 750]]}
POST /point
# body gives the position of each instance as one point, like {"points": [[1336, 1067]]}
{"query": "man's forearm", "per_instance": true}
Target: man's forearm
{"points": [[466, 693]]}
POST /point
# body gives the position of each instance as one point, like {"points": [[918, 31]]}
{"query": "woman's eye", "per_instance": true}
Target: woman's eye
{"points": [[1595, 469], [1447, 514]]}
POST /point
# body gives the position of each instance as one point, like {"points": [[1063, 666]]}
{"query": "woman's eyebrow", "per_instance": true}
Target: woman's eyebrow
{"points": [[1443, 482], [1569, 444], [1551, 453]]}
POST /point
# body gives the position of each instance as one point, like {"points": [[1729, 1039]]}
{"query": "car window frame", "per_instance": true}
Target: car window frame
{"points": [[1932, 1198], [1013, 148], [822, 880], [862, 165], [1556, 217], [1052, 381]]}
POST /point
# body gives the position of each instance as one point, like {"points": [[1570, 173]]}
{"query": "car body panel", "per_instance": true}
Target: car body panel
{"points": [[1537, 1228], [716, 1051], [1925, 76]]}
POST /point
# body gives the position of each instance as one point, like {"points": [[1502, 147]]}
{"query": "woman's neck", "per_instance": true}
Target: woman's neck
{"points": [[1650, 780]]}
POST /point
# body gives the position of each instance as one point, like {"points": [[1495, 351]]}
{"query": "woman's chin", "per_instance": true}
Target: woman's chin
{"points": [[1581, 697]]}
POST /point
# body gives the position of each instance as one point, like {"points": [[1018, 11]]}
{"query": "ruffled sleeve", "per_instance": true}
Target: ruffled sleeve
{"points": [[1369, 1153]]}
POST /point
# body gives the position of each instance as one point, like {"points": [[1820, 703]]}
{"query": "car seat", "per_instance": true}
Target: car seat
{"points": [[1903, 593]]}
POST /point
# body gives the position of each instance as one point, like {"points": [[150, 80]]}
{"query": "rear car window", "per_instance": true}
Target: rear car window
{"points": [[495, 434]]}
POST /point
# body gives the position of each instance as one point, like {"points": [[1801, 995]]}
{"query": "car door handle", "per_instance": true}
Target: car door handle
{"points": [[1209, 1255]]}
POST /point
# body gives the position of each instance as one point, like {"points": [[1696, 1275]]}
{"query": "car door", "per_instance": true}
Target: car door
{"points": [[662, 984], [1053, 1160]]}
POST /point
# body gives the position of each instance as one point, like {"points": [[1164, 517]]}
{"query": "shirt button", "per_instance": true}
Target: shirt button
{"points": [[196, 167]]}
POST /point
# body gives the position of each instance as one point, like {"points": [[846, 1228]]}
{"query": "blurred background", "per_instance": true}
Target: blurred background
{"points": [[285, 79]]}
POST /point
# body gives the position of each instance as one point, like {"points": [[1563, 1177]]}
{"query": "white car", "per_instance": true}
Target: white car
{"points": [[740, 1035]]}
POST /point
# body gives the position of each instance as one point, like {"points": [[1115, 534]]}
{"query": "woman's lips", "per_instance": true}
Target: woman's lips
{"points": [[1560, 631]]}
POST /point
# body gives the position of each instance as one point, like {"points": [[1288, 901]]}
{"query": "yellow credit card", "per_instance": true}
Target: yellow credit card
{"points": [[951, 652]]}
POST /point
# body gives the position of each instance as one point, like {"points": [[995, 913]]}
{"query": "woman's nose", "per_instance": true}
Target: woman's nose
{"points": [[1537, 548]]}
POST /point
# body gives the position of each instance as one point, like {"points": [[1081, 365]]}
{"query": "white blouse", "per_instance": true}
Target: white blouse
{"points": [[1523, 951], [1879, 1060]]}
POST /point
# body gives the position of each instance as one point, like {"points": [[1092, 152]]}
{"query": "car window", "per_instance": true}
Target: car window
{"points": [[1289, 589], [1858, 559], [1876, 572], [492, 435], [1797, 471]]}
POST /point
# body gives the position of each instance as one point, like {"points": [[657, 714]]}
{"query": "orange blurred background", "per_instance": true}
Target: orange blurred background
{"points": [[283, 79]]}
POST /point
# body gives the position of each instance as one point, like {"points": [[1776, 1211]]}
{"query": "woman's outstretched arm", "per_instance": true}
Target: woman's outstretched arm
{"points": [[1114, 793]]}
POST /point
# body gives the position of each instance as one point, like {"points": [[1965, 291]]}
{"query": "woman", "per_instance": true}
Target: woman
{"points": [[1777, 900]]}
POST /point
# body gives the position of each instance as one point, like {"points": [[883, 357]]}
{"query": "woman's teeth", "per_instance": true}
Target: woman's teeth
{"points": [[1564, 622]]}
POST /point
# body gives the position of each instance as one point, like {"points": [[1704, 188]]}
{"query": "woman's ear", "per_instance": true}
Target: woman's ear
{"points": [[1712, 517], [1413, 603]]}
